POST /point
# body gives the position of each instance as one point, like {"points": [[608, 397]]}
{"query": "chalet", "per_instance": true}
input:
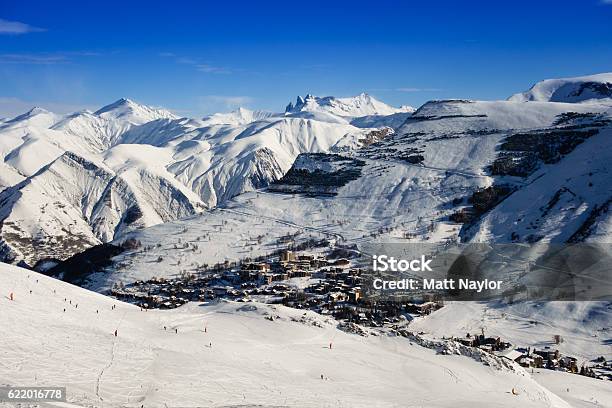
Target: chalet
{"points": [[569, 363], [548, 354], [319, 263], [422, 308], [513, 355], [338, 297], [267, 278], [256, 267], [331, 274], [354, 294]]}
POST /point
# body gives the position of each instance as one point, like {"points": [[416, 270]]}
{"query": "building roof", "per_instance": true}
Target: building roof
{"points": [[512, 354]]}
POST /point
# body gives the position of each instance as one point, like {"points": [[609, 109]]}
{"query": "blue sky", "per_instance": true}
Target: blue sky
{"points": [[202, 57]]}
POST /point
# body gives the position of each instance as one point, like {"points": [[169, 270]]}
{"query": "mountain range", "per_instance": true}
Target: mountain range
{"points": [[74, 181], [532, 168]]}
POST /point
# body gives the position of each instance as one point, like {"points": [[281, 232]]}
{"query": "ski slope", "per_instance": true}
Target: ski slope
{"points": [[585, 326], [230, 354]]}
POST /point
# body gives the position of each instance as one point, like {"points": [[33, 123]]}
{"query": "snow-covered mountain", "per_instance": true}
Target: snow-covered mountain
{"points": [[74, 203], [95, 170], [579, 89], [32, 140]]}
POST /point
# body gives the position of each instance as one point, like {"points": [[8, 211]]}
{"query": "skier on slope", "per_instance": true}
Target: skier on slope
{"points": [[12, 296], [115, 332]]}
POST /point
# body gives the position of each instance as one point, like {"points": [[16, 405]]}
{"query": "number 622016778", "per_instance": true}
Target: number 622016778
{"points": [[32, 394]]}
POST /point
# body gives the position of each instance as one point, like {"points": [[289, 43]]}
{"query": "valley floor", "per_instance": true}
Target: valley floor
{"points": [[241, 354]]}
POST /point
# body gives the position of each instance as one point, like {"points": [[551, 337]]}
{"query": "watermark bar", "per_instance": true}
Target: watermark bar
{"points": [[511, 272], [32, 394]]}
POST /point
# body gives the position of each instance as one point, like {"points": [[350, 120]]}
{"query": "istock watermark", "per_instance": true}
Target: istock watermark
{"points": [[384, 263]]}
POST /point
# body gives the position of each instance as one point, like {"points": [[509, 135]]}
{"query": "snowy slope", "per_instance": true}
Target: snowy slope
{"points": [[133, 112], [242, 358], [225, 161], [578, 89], [448, 116], [8, 176], [561, 199], [36, 116]]}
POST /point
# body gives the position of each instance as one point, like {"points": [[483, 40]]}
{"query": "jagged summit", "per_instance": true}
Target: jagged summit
{"points": [[36, 116], [118, 104], [356, 106], [36, 110]]}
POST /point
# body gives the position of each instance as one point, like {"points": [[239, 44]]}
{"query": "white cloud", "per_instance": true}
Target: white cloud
{"points": [[46, 58], [230, 100], [211, 69], [218, 103], [16, 28], [199, 65], [37, 59]]}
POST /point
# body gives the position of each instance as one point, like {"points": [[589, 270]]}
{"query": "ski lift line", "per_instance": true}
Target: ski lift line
{"points": [[294, 225], [440, 169], [284, 222]]}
